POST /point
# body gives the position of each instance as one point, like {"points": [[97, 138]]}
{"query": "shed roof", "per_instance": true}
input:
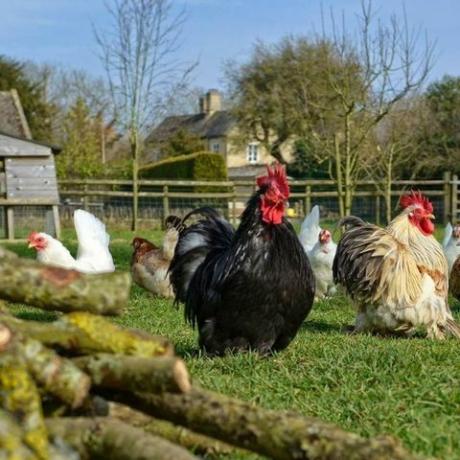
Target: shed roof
{"points": [[12, 118], [216, 124], [15, 145]]}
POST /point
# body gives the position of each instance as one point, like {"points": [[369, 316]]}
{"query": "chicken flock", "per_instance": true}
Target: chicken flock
{"points": [[251, 288]]}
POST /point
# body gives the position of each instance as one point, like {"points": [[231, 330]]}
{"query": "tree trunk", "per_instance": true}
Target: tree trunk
{"points": [[389, 180], [107, 438], [348, 168], [58, 289], [135, 158], [132, 373], [198, 443], [339, 178], [278, 435], [86, 333], [275, 151]]}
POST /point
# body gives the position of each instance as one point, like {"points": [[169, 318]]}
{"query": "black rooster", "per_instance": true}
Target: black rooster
{"points": [[246, 289]]}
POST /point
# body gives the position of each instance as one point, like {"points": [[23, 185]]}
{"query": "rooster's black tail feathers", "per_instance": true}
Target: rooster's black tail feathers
{"points": [[210, 233]]}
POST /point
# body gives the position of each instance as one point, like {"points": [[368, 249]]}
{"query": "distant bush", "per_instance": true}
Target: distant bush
{"points": [[197, 166]]}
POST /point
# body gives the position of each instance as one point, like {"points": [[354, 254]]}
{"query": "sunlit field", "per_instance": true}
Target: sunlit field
{"points": [[370, 385]]}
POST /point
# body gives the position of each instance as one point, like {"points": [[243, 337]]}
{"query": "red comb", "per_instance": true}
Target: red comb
{"points": [[276, 174], [32, 236], [416, 199]]}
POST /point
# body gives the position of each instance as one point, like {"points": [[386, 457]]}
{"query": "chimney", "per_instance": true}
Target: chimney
{"points": [[211, 102]]}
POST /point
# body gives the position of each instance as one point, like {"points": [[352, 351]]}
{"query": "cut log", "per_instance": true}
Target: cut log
{"points": [[111, 439], [58, 289], [132, 373], [86, 333], [19, 396], [278, 435], [59, 376], [11, 444], [197, 443]]}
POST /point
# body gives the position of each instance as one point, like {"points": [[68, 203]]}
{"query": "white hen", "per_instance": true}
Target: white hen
{"points": [[451, 244], [310, 229], [321, 259], [93, 254]]}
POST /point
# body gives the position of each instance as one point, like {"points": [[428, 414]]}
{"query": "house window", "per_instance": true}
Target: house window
{"points": [[252, 153], [216, 147]]}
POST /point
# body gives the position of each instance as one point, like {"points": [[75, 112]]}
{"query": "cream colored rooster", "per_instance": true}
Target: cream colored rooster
{"points": [[397, 276]]}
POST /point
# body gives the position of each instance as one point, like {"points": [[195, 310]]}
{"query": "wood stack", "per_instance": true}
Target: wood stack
{"points": [[83, 387]]}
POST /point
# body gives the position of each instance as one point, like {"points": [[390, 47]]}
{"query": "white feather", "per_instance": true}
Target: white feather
{"points": [[450, 246], [93, 254], [310, 229], [55, 253], [93, 247], [447, 234], [321, 258]]}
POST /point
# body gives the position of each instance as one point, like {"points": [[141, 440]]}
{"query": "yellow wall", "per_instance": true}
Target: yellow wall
{"points": [[236, 152]]}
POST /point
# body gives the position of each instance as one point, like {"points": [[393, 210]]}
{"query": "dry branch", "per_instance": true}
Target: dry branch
{"points": [[11, 443], [52, 288], [278, 435], [103, 437], [19, 396], [86, 333], [198, 443], [132, 373], [59, 376]]}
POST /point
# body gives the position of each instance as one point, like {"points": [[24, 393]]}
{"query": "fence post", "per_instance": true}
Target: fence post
{"points": [[307, 199], [10, 222], [377, 209], [454, 196], [234, 206], [165, 204], [447, 198], [85, 197]]}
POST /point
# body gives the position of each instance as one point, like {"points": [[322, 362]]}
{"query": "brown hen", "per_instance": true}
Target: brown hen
{"points": [[454, 281], [150, 263]]}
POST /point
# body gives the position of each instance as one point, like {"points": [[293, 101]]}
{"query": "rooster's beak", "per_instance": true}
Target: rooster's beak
{"points": [[31, 245], [431, 216]]}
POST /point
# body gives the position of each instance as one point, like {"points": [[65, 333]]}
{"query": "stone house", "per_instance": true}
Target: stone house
{"points": [[217, 128]]}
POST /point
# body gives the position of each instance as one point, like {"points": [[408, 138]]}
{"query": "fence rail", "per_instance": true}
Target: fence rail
{"points": [[112, 198]]}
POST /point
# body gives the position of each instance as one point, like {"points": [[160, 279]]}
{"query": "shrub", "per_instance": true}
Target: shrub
{"points": [[197, 166]]}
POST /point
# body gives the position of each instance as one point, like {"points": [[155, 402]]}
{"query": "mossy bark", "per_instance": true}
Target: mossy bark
{"points": [[52, 288], [278, 435], [132, 373], [58, 376], [106, 438], [19, 396], [197, 443], [83, 333], [12, 446]]}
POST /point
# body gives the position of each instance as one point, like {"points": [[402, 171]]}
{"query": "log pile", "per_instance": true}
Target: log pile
{"points": [[81, 387]]}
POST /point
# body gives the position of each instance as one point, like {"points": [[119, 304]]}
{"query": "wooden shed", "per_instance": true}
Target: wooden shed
{"points": [[27, 169]]}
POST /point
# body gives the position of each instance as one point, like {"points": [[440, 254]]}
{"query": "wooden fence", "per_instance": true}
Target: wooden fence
{"points": [[158, 198]]}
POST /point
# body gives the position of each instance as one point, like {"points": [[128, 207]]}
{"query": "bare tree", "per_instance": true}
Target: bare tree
{"points": [[139, 54], [396, 148], [392, 61]]}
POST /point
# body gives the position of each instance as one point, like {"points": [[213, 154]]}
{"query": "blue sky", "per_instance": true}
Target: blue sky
{"points": [[60, 31]]}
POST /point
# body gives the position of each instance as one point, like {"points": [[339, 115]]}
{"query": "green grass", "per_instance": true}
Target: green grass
{"points": [[370, 385]]}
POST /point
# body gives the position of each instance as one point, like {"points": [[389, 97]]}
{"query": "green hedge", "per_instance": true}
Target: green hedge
{"points": [[197, 166]]}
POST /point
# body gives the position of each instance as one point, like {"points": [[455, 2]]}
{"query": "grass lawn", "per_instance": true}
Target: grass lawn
{"points": [[406, 387]]}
